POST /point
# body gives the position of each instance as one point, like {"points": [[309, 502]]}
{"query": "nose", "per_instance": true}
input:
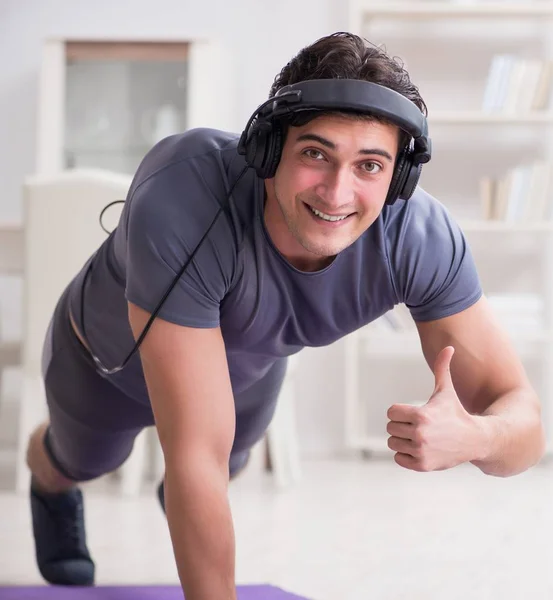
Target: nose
{"points": [[337, 188]]}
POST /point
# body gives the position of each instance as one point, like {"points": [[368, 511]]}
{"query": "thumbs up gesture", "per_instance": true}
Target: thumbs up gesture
{"points": [[439, 435]]}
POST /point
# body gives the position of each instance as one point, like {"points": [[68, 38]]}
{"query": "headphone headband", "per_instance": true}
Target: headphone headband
{"points": [[349, 94], [261, 141]]}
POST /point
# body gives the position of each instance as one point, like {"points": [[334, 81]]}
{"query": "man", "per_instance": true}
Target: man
{"points": [[220, 272]]}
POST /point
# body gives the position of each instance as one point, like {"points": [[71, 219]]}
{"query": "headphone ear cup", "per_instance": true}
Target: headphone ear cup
{"points": [[412, 179], [405, 179], [398, 179], [257, 146], [274, 151], [250, 147], [263, 148]]}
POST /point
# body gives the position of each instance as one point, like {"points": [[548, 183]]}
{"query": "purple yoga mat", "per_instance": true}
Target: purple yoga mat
{"points": [[165, 592]]}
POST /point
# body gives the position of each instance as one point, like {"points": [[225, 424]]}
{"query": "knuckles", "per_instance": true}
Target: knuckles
{"points": [[419, 438]]}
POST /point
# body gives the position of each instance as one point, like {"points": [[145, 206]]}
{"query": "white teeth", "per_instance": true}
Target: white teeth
{"points": [[327, 217]]}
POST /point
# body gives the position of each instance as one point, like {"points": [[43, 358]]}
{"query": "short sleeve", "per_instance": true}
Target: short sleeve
{"points": [[168, 214], [431, 262]]}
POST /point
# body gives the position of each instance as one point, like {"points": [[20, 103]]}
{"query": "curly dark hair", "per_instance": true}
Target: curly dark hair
{"points": [[344, 55]]}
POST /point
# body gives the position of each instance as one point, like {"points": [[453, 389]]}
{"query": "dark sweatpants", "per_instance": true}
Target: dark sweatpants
{"points": [[93, 424]]}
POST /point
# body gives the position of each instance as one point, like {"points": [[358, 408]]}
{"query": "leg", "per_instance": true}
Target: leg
{"points": [[255, 409], [92, 425], [90, 432], [45, 476]]}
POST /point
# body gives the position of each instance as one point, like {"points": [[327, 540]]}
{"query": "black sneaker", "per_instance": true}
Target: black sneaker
{"points": [[60, 537]]}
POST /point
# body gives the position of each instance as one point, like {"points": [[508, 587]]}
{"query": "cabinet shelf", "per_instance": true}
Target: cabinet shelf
{"points": [[477, 117], [437, 10], [505, 227], [407, 343], [107, 101]]}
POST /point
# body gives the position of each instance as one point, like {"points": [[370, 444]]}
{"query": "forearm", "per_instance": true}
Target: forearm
{"points": [[511, 436], [202, 532]]}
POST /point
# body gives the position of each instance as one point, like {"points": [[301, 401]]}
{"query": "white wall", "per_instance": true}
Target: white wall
{"points": [[261, 36]]}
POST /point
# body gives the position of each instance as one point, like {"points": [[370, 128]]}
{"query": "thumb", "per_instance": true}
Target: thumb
{"points": [[442, 373]]}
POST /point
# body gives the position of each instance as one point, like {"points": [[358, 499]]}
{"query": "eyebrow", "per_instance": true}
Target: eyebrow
{"points": [[312, 137]]}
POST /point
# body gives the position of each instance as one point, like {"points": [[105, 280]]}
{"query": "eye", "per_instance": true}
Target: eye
{"points": [[372, 167], [313, 153]]}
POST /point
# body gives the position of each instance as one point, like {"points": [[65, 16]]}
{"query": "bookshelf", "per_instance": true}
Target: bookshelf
{"points": [[407, 344], [483, 118], [449, 48], [503, 227], [361, 11]]}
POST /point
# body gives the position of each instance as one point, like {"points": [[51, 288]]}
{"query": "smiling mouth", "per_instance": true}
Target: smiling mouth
{"points": [[329, 218]]}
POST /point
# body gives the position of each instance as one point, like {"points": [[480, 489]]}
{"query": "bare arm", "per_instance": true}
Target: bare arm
{"points": [[491, 383], [189, 386]]}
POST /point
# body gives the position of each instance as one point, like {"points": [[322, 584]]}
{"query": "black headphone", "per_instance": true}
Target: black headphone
{"points": [[262, 140]]}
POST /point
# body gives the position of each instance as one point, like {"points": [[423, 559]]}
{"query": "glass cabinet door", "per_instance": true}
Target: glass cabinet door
{"points": [[120, 99]]}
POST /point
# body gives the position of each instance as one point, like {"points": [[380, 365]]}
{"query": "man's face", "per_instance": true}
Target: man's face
{"points": [[330, 186]]}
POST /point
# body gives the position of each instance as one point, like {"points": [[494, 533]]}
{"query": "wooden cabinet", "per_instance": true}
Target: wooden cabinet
{"points": [[104, 103]]}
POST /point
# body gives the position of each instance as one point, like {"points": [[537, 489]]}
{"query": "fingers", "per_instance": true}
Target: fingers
{"points": [[401, 445], [401, 430], [403, 413], [407, 461]]}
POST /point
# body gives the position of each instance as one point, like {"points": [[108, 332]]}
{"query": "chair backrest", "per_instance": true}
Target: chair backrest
{"points": [[62, 230]]}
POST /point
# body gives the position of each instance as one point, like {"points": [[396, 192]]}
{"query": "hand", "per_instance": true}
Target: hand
{"points": [[438, 435]]}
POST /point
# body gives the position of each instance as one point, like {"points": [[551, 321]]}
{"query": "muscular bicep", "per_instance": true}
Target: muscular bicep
{"points": [[485, 364], [189, 385]]}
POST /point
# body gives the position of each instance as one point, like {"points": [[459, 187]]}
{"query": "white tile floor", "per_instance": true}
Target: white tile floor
{"points": [[348, 531]]}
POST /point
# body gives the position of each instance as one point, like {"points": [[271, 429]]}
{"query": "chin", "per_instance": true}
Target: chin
{"points": [[324, 249]]}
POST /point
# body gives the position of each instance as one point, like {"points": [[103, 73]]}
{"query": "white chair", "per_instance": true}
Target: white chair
{"points": [[61, 231], [11, 264]]}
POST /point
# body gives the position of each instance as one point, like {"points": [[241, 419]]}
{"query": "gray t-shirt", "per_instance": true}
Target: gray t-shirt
{"points": [[414, 254]]}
